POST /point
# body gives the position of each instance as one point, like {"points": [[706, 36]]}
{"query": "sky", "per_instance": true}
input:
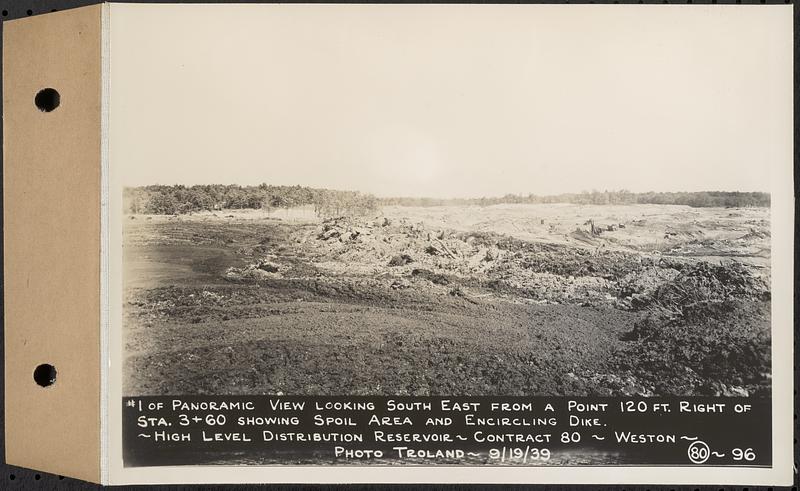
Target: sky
{"points": [[452, 100]]}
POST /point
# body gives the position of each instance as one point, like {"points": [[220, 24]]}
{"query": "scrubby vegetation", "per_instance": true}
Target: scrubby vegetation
{"points": [[698, 199], [178, 199]]}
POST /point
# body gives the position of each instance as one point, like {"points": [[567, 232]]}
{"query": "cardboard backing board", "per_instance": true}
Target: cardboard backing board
{"points": [[52, 241]]}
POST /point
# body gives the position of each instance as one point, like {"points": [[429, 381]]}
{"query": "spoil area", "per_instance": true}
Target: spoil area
{"points": [[387, 305]]}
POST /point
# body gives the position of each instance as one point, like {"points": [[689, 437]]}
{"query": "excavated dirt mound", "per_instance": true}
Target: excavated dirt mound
{"points": [[698, 283], [714, 348], [380, 306]]}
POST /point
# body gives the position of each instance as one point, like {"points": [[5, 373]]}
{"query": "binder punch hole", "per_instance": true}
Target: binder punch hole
{"points": [[47, 99], [45, 375]]}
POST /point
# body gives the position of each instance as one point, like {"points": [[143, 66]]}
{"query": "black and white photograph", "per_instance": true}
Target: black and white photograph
{"points": [[283, 289]]}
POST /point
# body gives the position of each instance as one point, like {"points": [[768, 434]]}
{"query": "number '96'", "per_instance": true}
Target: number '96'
{"points": [[743, 454]]}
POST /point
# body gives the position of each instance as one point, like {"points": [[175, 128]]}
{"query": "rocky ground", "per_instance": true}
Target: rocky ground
{"points": [[380, 305]]}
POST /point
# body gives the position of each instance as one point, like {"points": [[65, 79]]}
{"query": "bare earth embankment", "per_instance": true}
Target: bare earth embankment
{"points": [[511, 300]]}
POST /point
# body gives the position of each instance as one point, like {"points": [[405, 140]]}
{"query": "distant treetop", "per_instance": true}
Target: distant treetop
{"points": [[178, 199], [703, 199]]}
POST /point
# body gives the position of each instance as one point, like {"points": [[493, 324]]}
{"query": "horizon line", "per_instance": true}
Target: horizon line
{"points": [[452, 198]]}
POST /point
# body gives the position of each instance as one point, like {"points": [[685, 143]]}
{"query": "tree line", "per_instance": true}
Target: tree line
{"points": [[179, 199], [703, 199]]}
